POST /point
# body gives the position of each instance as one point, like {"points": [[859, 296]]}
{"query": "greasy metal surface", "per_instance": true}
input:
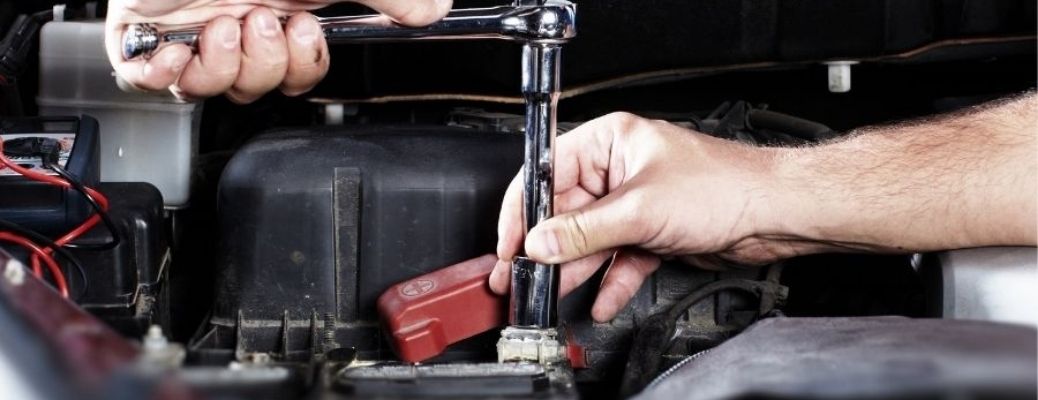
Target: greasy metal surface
{"points": [[534, 296], [864, 357], [454, 370], [457, 381]]}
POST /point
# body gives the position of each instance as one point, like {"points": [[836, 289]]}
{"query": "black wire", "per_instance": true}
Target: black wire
{"points": [[657, 331], [36, 237], [78, 186]]}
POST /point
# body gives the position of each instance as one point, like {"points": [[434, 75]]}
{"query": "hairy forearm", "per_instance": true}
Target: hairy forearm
{"points": [[966, 179]]}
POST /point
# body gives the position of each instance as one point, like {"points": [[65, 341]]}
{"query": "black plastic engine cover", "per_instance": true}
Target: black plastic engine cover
{"points": [[318, 223], [127, 283]]}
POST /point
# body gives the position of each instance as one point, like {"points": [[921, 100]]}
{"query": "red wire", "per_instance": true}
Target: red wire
{"points": [[59, 278], [57, 181], [80, 230]]}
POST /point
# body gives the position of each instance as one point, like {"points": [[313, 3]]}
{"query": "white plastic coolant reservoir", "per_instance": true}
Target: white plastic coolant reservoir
{"points": [[145, 137]]}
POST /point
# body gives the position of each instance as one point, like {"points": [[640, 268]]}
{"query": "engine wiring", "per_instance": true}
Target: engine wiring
{"points": [[39, 253], [59, 250], [44, 254], [101, 211]]}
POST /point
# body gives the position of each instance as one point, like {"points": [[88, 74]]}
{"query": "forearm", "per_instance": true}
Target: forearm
{"points": [[955, 181]]}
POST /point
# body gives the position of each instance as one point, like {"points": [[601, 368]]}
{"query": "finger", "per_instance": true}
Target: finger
{"points": [[615, 220], [510, 225], [574, 273], [264, 60], [572, 200], [413, 12], [157, 73], [501, 276], [307, 54], [629, 270], [577, 272], [591, 156], [585, 169], [216, 66]]}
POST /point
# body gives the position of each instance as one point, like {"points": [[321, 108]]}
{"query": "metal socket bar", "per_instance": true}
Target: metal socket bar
{"points": [[551, 21], [541, 88], [535, 286], [534, 301]]}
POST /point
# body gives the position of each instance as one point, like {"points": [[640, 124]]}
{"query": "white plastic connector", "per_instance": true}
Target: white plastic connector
{"points": [[840, 76], [159, 352], [334, 113], [14, 272], [530, 345], [59, 12], [154, 340]]}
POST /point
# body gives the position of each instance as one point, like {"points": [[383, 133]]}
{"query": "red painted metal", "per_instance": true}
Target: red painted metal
{"points": [[91, 353], [426, 314], [90, 349], [577, 356]]}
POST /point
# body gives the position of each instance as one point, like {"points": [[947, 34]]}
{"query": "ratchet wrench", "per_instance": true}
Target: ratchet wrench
{"points": [[542, 27]]}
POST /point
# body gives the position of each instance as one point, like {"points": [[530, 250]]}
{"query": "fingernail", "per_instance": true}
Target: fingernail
{"points": [[548, 241], [267, 26], [230, 37], [306, 34]]}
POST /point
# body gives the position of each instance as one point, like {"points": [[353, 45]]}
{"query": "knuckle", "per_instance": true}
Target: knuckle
{"points": [[274, 66], [624, 124], [273, 63], [623, 121], [305, 73]]}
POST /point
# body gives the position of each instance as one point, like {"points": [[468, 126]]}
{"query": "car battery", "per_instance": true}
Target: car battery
{"points": [[39, 206]]}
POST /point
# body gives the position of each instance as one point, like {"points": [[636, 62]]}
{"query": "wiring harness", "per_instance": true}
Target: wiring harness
{"points": [[43, 255]]}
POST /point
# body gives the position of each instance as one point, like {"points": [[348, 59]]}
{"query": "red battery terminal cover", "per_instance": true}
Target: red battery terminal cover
{"points": [[426, 314]]}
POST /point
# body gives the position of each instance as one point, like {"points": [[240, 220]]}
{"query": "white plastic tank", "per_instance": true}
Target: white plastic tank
{"points": [[145, 137]]}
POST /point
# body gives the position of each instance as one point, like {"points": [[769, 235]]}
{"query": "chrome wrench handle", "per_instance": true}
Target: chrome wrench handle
{"points": [[554, 21]]}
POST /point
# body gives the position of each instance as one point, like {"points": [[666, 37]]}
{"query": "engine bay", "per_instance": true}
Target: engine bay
{"points": [[338, 244]]}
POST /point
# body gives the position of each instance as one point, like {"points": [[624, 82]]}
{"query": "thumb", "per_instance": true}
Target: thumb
{"points": [[607, 223], [411, 12]]}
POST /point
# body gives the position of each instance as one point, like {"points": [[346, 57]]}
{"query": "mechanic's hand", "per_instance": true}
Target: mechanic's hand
{"points": [[648, 189], [243, 51]]}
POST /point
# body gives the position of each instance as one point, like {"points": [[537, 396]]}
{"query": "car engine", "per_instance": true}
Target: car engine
{"points": [[337, 244]]}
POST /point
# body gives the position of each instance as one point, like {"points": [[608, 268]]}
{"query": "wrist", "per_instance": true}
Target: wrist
{"points": [[775, 202], [793, 212]]}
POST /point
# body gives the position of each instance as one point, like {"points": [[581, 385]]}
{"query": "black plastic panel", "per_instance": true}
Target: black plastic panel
{"points": [[622, 37]]}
